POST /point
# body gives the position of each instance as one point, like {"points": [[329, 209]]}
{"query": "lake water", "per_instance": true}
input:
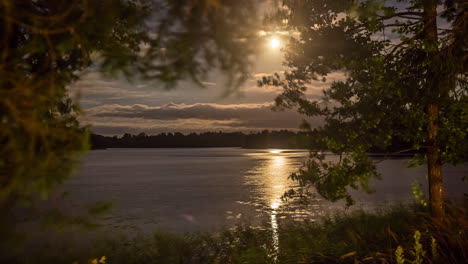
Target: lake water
{"points": [[187, 190]]}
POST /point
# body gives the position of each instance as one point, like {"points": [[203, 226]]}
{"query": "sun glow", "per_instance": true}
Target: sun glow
{"points": [[275, 43], [275, 204], [275, 151]]}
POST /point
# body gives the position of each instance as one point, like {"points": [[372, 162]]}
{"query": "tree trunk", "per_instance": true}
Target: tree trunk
{"points": [[434, 159], [434, 164]]}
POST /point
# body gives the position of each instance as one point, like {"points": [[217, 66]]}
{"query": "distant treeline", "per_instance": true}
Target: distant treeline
{"points": [[264, 139]]}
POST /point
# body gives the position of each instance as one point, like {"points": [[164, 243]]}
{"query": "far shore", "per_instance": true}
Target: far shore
{"points": [[370, 154]]}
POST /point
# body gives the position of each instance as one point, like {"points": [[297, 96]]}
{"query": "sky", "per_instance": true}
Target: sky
{"points": [[116, 106]]}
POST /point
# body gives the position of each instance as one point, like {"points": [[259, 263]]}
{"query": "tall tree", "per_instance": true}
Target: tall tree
{"points": [[46, 44], [404, 77]]}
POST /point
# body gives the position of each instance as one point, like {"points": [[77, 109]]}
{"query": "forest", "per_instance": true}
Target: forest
{"points": [[264, 139], [282, 139]]}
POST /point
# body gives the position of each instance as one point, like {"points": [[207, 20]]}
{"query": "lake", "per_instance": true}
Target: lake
{"points": [[203, 189]]}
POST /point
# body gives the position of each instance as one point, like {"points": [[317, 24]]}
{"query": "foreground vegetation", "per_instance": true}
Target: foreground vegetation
{"points": [[398, 235]]}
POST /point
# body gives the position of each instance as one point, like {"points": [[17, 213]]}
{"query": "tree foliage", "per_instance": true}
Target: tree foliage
{"points": [[46, 44], [393, 72]]}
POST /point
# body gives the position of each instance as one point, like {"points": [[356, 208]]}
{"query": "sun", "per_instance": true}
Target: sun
{"points": [[275, 43]]}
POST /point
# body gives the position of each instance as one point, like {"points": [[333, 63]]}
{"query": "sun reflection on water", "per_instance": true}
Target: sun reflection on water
{"points": [[274, 225], [275, 205], [270, 181], [273, 177]]}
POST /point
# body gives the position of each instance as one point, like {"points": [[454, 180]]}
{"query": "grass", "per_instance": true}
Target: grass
{"points": [[364, 233], [356, 237]]}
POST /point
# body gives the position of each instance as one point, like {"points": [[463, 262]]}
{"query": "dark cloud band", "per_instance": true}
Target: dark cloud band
{"points": [[234, 117]]}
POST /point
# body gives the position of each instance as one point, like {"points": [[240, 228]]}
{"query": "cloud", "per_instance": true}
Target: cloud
{"points": [[191, 117], [203, 111], [180, 111], [208, 83], [115, 106]]}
